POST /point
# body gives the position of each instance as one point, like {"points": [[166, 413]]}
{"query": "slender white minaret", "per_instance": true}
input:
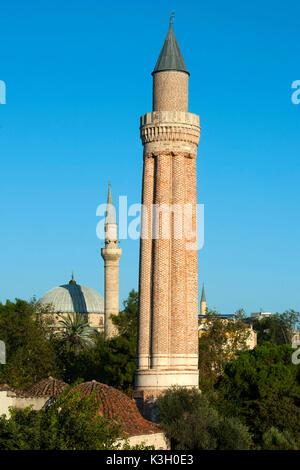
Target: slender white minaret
{"points": [[111, 255]]}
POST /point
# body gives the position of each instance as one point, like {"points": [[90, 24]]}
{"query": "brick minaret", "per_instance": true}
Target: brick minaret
{"points": [[168, 287], [111, 255]]}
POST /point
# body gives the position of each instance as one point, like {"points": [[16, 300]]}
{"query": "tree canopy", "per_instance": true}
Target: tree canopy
{"points": [[261, 386], [70, 423], [30, 352], [277, 328], [191, 422], [220, 341]]}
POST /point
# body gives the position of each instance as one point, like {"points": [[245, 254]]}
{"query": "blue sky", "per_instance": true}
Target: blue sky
{"points": [[78, 77]]}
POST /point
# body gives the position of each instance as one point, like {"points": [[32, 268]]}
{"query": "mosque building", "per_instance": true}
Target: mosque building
{"points": [[72, 298]]}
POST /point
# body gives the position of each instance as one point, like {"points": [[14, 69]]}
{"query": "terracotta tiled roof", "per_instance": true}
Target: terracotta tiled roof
{"points": [[119, 408], [13, 391], [47, 388], [5, 388]]}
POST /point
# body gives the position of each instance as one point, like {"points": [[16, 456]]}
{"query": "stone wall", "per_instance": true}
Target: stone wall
{"points": [[158, 440], [9, 398]]}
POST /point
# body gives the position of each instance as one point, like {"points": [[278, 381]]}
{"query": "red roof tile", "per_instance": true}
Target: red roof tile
{"points": [[118, 407], [47, 388]]}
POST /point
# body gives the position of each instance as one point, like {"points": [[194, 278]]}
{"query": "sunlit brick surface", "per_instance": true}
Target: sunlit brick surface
{"points": [[168, 285]]}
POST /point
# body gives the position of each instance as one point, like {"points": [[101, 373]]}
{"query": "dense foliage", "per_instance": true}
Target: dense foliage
{"points": [[30, 351], [249, 399], [76, 332], [71, 423], [277, 328], [35, 352], [262, 387], [220, 341], [190, 422], [109, 361]]}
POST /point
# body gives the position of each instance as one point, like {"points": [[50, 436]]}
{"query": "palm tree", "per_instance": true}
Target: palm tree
{"points": [[77, 333]]}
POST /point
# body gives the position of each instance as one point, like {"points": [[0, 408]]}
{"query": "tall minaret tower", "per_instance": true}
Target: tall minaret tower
{"points": [[168, 286], [111, 255]]}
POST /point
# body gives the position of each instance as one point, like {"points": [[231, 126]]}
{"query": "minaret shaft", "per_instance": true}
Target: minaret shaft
{"points": [[111, 255]]}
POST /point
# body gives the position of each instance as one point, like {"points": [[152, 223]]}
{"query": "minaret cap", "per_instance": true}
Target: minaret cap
{"points": [[110, 215], [170, 57], [203, 298]]}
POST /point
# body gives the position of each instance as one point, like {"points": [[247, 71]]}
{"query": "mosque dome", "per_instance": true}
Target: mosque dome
{"points": [[73, 298], [47, 388]]}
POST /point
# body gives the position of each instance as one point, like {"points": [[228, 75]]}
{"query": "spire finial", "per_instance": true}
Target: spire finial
{"points": [[72, 280], [172, 14], [170, 57]]}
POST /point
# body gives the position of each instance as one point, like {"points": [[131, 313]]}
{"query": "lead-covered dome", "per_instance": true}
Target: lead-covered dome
{"points": [[73, 298]]}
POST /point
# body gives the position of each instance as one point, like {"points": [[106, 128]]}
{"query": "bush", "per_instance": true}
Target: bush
{"points": [[273, 439], [261, 387], [71, 423], [191, 423]]}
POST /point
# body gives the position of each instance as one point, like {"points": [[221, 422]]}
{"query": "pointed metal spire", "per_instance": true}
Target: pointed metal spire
{"points": [[72, 280], [110, 215], [203, 298], [170, 57]]}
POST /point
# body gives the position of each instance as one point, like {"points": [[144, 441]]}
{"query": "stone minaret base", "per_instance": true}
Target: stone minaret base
{"points": [[111, 258]]}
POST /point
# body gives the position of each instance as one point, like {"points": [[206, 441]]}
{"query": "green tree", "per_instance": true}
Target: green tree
{"points": [[31, 356], [220, 340], [120, 358], [191, 423], [110, 361], [261, 387], [277, 328], [127, 320], [273, 439], [77, 334], [71, 423]]}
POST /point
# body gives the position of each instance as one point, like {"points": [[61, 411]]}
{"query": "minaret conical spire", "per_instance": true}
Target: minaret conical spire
{"points": [[203, 298], [170, 57], [110, 215]]}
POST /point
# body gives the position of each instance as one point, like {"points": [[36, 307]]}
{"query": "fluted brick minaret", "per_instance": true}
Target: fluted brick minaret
{"points": [[111, 255], [168, 286]]}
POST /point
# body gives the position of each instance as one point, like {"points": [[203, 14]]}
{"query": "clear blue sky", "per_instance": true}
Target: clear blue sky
{"points": [[78, 76]]}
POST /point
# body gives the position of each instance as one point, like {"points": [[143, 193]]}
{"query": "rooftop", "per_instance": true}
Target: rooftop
{"points": [[73, 298], [49, 387], [170, 57], [118, 407]]}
